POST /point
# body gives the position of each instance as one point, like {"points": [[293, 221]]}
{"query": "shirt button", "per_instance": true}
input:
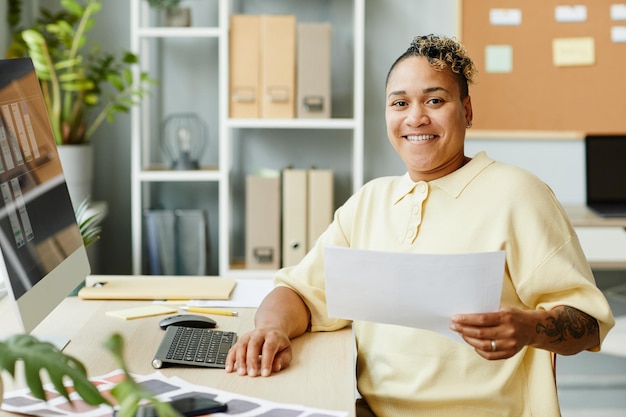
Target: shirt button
{"points": [[421, 188], [416, 210], [409, 234]]}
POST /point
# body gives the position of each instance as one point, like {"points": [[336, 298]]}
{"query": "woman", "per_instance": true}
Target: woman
{"points": [[446, 203]]}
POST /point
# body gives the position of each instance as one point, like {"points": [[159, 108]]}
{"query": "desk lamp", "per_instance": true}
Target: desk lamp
{"points": [[184, 140]]}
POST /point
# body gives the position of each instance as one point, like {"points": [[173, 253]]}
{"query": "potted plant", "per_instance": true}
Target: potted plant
{"points": [[174, 14], [38, 356], [82, 85]]}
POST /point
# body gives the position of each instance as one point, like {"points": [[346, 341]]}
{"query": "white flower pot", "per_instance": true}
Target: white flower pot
{"points": [[77, 163]]}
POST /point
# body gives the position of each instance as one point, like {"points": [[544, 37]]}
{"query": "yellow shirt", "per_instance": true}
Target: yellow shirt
{"points": [[483, 206]]}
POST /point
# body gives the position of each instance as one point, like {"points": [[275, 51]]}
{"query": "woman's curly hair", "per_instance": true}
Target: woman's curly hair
{"points": [[442, 52]]}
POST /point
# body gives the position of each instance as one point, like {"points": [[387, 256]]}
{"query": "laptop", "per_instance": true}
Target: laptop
{"points": [[605, 157]]}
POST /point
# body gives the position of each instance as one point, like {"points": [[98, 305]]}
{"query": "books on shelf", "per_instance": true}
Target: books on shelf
{"points": [[176, 242]]}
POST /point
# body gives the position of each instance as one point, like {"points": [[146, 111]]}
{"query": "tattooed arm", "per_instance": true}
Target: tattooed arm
{"points": [[564, 330]]}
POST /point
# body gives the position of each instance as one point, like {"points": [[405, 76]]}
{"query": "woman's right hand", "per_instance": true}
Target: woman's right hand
{"points": [[260, 352]]}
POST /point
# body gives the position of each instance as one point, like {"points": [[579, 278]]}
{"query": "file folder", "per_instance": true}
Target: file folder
{"points": [[278, 66], [159, 288], [245, 50], [320, 203], [314, 70], [262, 222], [294, 197]]}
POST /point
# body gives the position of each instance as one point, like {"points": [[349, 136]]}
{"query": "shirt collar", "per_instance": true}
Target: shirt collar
{"points": [[452, 184]]}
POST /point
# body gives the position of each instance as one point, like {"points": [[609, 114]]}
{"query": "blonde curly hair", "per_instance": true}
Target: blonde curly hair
{"points": [[442, 52]]}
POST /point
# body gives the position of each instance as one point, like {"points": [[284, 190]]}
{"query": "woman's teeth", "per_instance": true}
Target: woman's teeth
{"points": [[417, 138]]}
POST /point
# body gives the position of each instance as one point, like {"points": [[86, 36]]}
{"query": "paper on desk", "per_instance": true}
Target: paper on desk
{"points": [[247, 293], [414, 290]]}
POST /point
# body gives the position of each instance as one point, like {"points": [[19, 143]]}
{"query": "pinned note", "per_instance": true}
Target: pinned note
{"points": [[618, 12], [570, 14], [618, 34], [573, 51], [499, 58], [505, 17]]}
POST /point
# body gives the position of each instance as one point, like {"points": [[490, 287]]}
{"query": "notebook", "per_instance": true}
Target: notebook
{"points": [[605, 157], [159, 288]]}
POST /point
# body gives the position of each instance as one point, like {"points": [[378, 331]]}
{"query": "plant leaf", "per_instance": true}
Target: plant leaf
{"points": [[37, 356]]}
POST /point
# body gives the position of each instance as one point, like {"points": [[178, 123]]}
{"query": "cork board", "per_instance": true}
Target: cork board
{"points": [[519, 86]]}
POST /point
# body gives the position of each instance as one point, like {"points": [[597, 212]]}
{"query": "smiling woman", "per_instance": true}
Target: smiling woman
{"points": [[428, 111]]}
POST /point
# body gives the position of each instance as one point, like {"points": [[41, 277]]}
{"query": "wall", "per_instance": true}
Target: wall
{"points": [[390, 25]]}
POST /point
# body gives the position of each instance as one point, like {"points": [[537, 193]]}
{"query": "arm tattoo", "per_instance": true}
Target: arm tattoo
{"points": [[570, 321]]}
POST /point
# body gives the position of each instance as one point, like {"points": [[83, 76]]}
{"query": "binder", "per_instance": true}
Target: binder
{"points": [[294, 216], [159, 288], [320, 203], [262, 222], [245, 50], [278, 66], [176, 242], [314, 70]]}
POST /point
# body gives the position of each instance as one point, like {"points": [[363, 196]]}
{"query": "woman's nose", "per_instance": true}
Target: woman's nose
{"points": [[416, 116]]}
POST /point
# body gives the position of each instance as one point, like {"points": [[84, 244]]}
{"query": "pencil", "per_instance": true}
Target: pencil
{"points": [[207, 310]]}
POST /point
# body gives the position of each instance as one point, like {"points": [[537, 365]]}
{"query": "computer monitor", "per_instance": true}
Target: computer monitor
{"points": [[43, 256], [606, 174]]}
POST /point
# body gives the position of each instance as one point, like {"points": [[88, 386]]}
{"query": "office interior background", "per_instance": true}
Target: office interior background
{"points": [[389, 28]]}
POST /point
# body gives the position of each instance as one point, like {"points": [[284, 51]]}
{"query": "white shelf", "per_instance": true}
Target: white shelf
{"points": [[331, 124], [179, 176], [142, 177], [191, 32]]}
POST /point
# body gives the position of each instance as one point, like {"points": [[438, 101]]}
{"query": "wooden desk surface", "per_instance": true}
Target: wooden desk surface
{"points": [[582, 216], [321, 374]]}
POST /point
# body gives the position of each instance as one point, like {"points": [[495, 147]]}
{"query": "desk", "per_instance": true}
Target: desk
{"points": [[603, 239], [321, 374]]}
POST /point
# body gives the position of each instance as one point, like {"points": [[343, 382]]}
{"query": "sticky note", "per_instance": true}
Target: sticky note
{"points": [[498, 58], [573, 51], [142, 311], [618, 12], [505, 17], [568, 14], [618, 33]]}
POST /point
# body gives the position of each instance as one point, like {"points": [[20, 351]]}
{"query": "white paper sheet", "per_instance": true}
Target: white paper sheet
{"points": [[414, 290], [247, 293]]}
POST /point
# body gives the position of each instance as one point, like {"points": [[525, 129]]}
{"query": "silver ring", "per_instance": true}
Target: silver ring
{"points": [[493, 345]]}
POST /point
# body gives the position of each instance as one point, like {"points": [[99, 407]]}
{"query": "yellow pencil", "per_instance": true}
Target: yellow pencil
{"points": [[207, 310]]}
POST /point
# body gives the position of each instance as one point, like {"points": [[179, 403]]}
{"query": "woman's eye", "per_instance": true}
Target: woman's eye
{"points": [[399, 103], [435, 101]]}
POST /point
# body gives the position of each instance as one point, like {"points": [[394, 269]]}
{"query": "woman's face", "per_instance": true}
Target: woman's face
{"points": [[426, 118]]}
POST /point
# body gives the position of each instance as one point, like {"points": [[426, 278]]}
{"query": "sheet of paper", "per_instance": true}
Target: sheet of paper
{"points": [[414, 290], [618, 12], [247, 293]]}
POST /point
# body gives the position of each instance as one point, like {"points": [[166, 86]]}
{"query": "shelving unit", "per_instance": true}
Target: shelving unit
{"points": [[150, 175]]}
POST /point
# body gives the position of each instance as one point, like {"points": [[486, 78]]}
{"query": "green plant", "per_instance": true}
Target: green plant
{"points": [[164, 4], [81, 88], [88, 223], [38, 356]]}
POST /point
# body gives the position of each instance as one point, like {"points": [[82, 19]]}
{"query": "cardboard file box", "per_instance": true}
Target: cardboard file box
{"points": [[245, 53], [294, 196], [278, 66], [314, 70], [320, 203], [262, 222]]}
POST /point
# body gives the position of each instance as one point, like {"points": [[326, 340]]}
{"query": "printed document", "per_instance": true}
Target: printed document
{"points": [[408, 289]]}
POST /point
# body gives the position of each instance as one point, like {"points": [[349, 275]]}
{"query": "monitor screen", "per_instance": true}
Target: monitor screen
{"points": [[605, 169], [43, 257]]}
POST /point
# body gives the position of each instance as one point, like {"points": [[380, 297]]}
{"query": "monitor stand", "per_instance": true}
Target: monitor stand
{"points": [[59, 341]]}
